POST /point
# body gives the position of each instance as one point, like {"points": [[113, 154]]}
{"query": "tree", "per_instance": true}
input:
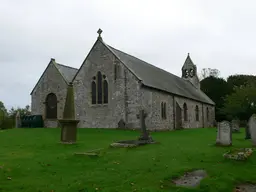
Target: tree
{"points": [[23, 111], [217, 89], [207, 72], [241, 80], [2, 107], [241, 103]]}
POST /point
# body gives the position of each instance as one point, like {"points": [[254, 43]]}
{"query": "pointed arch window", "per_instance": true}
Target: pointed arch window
{"points": [[163, 110], [105, 91], [99, 83], [94, 92], [51, 106], [197, 113], [185, 112], [115, 71], [207, 113], [99, 89]]}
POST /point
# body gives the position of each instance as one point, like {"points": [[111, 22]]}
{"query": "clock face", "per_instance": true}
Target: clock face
{"points": [[191, 73]]}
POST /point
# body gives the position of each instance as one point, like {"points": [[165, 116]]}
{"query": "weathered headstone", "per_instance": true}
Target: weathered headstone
{"points": [[18, 120], [121, 124], [144, 133], [235, 126], [247, 131], [252, 128], [224, 134]]}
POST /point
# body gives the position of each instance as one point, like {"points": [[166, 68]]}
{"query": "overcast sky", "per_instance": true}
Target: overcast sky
{"points": [[217, 34]]}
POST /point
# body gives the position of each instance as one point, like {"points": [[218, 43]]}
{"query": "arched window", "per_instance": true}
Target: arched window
{"points": [[99, 83], [99, 89], [51, 106], [115, 71], [185, 112], [105, 91], [197, 113], [94, 94], [207, 113], [163, 110]]}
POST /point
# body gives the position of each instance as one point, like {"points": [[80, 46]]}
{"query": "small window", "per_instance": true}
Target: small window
{"points": [[115, 71], [197, 113], [94, 92], [99, 83], [185, 112], [207, 114], [105, 91], [163, 110]]}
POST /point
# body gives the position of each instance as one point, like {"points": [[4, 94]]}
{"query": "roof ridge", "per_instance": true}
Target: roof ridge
{"points": [[66, 66], [145, 62], [181, 86]]}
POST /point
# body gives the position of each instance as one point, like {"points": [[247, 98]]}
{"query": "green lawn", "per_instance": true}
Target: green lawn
{"points": [[33, 160]]}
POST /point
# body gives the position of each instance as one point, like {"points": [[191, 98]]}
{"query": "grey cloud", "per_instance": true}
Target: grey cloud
{"points": [[218, 34]]}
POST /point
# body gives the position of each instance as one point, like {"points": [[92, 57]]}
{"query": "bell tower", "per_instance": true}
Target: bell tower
{"points": [[189, 72]]}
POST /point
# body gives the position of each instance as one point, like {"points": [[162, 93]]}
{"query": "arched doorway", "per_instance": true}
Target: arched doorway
{"points": [[51, 106]]}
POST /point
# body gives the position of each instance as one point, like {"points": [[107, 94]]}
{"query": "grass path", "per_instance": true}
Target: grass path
{"points": [[33, 160]]}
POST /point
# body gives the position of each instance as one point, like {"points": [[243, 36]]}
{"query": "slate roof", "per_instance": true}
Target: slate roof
{"points": [[160, 79], [67, 72]]}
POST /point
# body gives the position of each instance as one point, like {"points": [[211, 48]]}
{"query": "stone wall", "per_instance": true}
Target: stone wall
{"points": [[151, 101], [50, 82], [126, 97], [191, 106], [123, 91]]}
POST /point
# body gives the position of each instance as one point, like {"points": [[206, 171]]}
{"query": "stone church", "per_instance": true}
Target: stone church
{"points": [[112, 86]]}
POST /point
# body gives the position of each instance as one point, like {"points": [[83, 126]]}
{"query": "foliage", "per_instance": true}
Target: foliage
{"points": [[2, 107], [241, 103], [7, 119], [23, 111], [207, 72], [36, 153], [216, 88], [8, 123], [239, 154], [241, 80], [2, 117]]}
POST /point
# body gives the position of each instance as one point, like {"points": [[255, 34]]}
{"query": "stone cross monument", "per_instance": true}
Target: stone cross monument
{"points": [[144, 133]]}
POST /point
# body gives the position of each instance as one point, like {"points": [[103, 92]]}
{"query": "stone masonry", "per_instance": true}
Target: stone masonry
{"points": [[50, 82], [126, 97]]}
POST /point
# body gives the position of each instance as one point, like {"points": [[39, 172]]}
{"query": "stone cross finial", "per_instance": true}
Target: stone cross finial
{"points": [[99, 32]]}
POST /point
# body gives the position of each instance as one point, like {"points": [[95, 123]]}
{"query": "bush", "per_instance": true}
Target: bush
{"points": [[8, 123]]}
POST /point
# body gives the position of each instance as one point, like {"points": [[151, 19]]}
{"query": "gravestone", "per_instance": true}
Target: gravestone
{"points": [[144, 133], [235, 126], [17, 120], [224, 134], [121, 124], [247, 131], [252, 128]]}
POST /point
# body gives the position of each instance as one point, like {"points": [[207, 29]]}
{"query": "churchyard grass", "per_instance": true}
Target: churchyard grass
{"points": [[33, 160]]}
